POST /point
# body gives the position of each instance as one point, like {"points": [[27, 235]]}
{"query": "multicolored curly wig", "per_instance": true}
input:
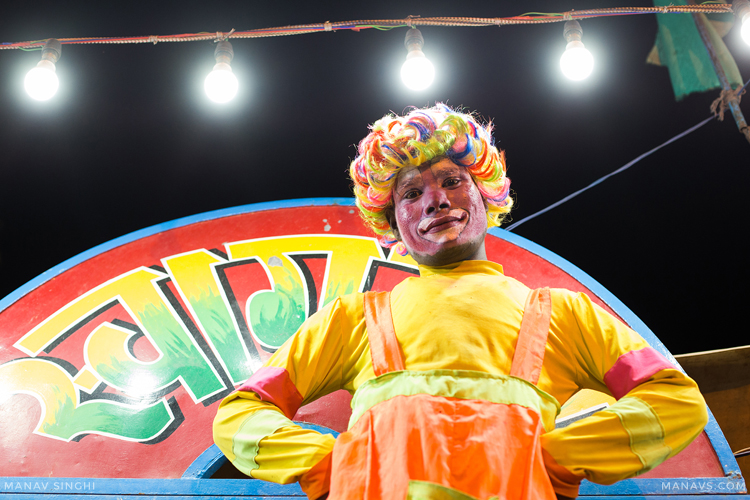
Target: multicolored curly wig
{"points": [[422, 136]]}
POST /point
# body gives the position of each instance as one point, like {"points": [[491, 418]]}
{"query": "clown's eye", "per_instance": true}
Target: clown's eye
{"points": [[451, 182], [411, 194]]}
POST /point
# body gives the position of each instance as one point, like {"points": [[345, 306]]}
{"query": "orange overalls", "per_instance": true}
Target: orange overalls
{"points": [[447, 434]]}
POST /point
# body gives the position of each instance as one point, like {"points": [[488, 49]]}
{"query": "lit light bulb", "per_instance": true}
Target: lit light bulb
{"points": [[576, 63], [41, 83], [221, 85], [417, 72], [741, 9]]}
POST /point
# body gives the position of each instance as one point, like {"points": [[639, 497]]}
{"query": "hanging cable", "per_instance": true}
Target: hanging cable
{"points": [[717, 113], [602, 179]]}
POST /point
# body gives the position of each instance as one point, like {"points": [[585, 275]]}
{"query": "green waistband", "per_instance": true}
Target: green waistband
{"points": [[460, 384]]}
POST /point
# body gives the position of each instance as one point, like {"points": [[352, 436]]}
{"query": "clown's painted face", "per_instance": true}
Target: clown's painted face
{"points": [[440, 213]]}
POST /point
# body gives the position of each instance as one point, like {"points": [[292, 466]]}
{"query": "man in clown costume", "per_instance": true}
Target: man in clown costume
{"points": [[458, 374]]}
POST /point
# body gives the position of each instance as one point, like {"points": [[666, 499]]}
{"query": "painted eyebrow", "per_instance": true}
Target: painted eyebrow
{"points": [[450, 172], [412, 182]]}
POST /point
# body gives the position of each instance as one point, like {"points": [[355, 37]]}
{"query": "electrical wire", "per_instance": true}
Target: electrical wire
{"points": [[387, 24], [605, 177], [738, 92]]}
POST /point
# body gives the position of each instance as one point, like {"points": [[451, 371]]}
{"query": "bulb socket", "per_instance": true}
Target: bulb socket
{"points": [[414, 40], [223, 52], [572, 31], [52, 50]]}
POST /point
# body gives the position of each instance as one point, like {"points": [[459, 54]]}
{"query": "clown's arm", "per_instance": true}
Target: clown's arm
{"points": [[253, 425], [659, 409]]}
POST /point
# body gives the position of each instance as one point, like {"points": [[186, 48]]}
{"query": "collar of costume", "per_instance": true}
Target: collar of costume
{"points": [[463, 267]]}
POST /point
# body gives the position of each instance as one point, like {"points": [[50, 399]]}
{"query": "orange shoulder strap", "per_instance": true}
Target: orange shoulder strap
{"points": [[384, 349], [532, 338]]}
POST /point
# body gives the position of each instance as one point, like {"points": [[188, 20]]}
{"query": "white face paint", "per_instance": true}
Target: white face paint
{"points": [[440, 213]]}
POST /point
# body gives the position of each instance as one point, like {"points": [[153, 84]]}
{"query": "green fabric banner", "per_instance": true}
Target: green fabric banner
{"points": [[680, 48]]}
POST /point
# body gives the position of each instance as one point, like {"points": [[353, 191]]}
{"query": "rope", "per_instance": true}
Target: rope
{"points": [[721, 103], [412, 21]]}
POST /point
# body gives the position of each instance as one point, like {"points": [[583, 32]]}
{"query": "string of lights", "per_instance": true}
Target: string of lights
{"points": [[412, 21], [417, 72]]}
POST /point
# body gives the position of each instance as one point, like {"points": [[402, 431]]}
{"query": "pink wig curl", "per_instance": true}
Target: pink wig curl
{"points": [[425, 135]]}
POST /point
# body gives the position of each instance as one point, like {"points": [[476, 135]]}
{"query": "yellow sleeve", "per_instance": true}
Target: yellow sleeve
{"points": [[659, 409], [253, 426]]}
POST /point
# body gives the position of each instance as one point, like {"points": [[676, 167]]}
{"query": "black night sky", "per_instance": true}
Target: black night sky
{"points": [[131, 139]]}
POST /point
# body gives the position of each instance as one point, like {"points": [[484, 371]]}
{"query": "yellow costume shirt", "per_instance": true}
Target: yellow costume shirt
{"points": [[466, 316]]}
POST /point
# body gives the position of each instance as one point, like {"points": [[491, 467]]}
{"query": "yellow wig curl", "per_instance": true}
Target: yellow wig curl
{"points": [[422, 136]]}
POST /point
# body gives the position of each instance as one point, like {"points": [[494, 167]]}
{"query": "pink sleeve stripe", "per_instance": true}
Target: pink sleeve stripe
{"points": [[633, 368], [273, 385]]}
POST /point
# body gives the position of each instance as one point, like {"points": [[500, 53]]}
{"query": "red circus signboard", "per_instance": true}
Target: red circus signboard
{"points": [[113, 363]]}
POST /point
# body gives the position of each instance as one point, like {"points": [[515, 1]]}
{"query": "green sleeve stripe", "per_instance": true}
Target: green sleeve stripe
{"points": [[645, 430], [257, 426]]}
